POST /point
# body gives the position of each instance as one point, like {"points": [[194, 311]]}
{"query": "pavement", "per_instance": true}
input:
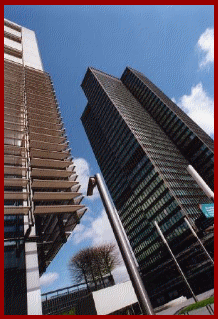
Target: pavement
{"points": [[202, 311]]}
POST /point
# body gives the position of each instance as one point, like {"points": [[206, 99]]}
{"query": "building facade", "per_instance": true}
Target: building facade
{"points": [[143, 143], [42, 203]]}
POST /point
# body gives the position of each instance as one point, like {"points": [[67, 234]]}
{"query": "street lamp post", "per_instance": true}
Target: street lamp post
{"points": [[176, 262], [209, 193], [210, 310], [130, 264], [198, 239]]}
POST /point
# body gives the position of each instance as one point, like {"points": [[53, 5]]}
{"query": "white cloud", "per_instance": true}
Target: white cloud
{"points": [[206, 46], [200, 107], [49, 278], [83, 172], [79, 229], [120, 274], [102, 230], [98, 231]]}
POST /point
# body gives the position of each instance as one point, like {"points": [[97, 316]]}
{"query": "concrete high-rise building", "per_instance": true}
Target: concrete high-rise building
{"points": [[41, 198], [143, 143]]}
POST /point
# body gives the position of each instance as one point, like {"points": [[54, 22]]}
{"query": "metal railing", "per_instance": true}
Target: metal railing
{"points": [[61, 300]]}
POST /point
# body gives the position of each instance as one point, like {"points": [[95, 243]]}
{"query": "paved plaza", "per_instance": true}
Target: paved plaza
{"points": [[201, 311]]}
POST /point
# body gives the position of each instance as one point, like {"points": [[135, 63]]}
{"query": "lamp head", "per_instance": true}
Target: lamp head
{"points": [[91, 186]]}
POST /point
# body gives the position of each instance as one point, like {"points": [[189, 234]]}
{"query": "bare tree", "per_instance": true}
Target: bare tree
{"points": [[93, 263], [108, 257]]}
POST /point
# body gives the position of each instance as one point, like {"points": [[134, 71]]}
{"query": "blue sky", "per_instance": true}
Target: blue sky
{"points": [[171, 45]]}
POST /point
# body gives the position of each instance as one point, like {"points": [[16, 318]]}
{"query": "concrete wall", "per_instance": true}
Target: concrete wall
{"points": [[13, 44], [29, 46], [114, 298], [12, 31], [31, 56], [12, 58]]}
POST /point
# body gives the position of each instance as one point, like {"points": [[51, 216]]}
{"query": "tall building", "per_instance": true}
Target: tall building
{"points": [[143, 143], [41, 198]]}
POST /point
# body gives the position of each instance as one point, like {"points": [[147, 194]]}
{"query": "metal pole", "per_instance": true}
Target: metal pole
{"points": [[127, 240], [134, 275], [194, 233], [174, 258]]}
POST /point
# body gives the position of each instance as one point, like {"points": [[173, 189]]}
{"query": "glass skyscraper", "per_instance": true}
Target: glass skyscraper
{"points": [[143, 143]]}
